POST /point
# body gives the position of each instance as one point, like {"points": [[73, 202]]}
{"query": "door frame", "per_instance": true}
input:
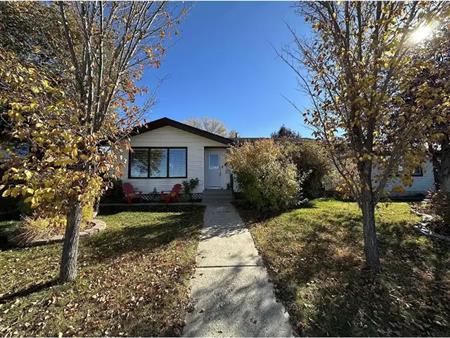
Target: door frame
{"points": [[222, 168]]}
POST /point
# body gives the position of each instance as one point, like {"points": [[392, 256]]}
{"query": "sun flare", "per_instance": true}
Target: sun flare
{"points": [[422, 33]]}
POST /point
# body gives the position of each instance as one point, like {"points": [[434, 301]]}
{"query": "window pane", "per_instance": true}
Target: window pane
{"points": [[139, 163], [158, 162], [177, 162], [213, 161]]}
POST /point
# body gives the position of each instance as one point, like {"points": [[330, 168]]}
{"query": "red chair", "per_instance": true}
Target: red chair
{"points": [[173, 195], [130, 194]]}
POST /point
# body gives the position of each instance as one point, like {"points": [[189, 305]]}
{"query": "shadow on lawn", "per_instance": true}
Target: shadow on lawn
{"points": [[112, 243], [106, 210], [29, 290], [410, 297], [147, 236]]}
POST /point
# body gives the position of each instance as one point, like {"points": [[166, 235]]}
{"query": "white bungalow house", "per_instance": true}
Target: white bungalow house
{"points": [[166, 152]]}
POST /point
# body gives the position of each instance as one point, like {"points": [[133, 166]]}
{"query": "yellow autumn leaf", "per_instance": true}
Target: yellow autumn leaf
{"points": [[45, 83], [28, 174]]}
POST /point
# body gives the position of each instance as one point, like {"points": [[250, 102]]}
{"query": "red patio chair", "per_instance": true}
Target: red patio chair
{"points": [[173, 195], [130, 194]]}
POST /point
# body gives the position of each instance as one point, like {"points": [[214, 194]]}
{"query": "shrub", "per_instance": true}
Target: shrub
{"points": [[311, 161], [38, 227], [114, 192], [440, 204], [267, 179], [87, 212], [40, 224], [14, 205], [189, 186]]}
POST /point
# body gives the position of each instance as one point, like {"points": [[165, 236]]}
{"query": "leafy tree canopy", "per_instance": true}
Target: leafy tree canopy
{"points": [[209, 124], [285, 132], [359, 69], [76, 108]]}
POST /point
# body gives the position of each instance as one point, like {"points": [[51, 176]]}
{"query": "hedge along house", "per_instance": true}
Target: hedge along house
{"points": [[165, 152]]}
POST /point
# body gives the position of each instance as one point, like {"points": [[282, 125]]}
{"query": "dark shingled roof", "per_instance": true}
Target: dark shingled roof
{"points": [[175, 124]]}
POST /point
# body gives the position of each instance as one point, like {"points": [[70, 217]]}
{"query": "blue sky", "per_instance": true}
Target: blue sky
{"points": [[223, 65]]}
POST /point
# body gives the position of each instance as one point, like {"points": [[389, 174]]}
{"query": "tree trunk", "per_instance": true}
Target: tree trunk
{"points": [[370, 234], [436, 165], [68, 268], [444, 167], [367, 204]]}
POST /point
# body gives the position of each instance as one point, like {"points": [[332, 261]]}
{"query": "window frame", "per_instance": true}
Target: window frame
{"points": [[149, 160]]}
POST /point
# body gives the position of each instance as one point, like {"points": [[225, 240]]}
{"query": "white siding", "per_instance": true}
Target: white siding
{"points": [[420, 185], [171, 137]]}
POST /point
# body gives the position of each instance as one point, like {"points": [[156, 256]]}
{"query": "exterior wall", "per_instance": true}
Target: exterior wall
{"points": [[171, 137], [420, 185]]}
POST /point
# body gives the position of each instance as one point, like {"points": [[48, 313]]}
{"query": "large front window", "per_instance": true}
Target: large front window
{"points": [[158, 163]]}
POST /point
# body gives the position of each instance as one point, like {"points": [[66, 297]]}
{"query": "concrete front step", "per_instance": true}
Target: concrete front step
{"points": [[217, 192], [217, 198], [217, 195]]}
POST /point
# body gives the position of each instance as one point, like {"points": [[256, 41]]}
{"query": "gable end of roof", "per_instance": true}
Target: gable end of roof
{"points": [[164, 122]]}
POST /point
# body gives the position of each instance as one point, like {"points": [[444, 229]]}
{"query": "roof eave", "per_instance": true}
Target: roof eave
{"points": [[164, 122]]}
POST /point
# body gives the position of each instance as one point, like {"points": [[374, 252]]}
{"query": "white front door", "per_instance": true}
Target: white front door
{"points": [[214, 168]]}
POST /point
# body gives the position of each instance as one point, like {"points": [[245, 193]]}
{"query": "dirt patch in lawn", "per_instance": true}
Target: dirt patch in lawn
{"points": [[133, 280], [315, 258]]}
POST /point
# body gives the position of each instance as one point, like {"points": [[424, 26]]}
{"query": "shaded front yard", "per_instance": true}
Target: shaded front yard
{"points": [[133, 280], [315, 257]]}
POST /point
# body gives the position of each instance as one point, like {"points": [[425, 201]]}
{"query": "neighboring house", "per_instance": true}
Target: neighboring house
{"points": [[423, 182], [166, 152]]}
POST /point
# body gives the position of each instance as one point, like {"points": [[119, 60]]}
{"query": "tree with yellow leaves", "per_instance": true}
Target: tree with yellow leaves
{"points": [[358, 75], [75, 117]]}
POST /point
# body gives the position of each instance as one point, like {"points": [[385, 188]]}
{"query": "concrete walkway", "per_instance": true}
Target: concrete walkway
{"points": [[230, 292]]}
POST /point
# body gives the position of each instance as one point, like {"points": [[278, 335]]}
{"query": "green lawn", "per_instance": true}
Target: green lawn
{"points": [[133, 280], [315, 255]]}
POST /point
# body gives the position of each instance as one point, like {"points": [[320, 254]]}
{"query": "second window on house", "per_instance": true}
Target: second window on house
{"points": [[158, 163]]}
